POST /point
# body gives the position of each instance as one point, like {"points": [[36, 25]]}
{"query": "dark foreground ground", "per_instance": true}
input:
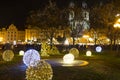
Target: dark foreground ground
{"points": [[100, 67]]}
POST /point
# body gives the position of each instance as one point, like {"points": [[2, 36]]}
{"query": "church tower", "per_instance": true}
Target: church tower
{"points": [[79, 22], [85, 13]]}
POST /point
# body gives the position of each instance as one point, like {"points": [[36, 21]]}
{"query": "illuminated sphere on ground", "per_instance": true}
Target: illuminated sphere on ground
{"points": [[75, 52], [21, 53], [98, 49], [68, 58], [8, 55], [42, 71], [88, 53], [30, 57]]}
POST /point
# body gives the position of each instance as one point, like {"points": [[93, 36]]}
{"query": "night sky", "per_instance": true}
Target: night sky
{"points": [[16, 11]]}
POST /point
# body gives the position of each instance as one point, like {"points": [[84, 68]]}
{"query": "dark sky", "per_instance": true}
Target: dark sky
{"points": [[16, 11]]}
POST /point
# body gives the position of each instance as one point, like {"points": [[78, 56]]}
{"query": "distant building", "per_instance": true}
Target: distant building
{"points": [[11, 35], [79, 21]]}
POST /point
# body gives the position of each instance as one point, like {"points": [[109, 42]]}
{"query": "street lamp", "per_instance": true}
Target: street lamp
{"points": [[66, 44], [117, 26]]}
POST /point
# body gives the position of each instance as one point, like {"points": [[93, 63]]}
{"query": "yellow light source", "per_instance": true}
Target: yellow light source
{"points": [[21, 53], [66, 42], [68, 58], [1, 39], [118, 20], [85, 36], [117, 25], [88, 53]]}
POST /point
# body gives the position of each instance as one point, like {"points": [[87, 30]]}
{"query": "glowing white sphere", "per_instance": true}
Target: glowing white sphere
{"points": [[98, 49], [68, 58], [31, 57], [8, 55], [88, 53], [21, 53]]}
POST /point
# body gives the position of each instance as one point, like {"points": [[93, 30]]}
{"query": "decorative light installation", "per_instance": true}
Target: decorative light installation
{"points": [[75, 52], [21, 52], [42, 71], [98, 49], [68, 58], [8, 55], [30, 57], [88, 53]]}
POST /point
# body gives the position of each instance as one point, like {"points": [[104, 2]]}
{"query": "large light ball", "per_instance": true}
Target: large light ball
{"points": [[42, 71], [98, 49], [88, 53], [30, 57], [8, 55], [68, 58], [21, 52], [75, 52]]}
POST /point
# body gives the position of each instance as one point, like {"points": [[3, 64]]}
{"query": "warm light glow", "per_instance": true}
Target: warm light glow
{"points": [[21, 53], [118, 20], [117, 15], [90, 39], [98, 49], [88, 53], [117, 25], [66, 42], [14, 42], [1, 39], [68, 58], [85, 36], [31, 57]]}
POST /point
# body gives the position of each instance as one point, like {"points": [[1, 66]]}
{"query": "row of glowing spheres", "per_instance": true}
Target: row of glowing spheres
{"points": [[98, 49], [32, 55], [69, 58]]}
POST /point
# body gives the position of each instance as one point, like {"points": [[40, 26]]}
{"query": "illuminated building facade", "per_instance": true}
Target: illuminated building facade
{"points": [[79, 22], [11, 34]]}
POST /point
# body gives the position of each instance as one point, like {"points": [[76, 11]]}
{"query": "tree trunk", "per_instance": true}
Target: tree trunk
{"points": [[73, 40]]}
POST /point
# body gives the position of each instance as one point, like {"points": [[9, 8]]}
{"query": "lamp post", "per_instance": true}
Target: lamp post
{"points": [[117, 27], [66, 44]]}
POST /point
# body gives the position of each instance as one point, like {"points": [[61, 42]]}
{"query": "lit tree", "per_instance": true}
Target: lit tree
{"points": [[103, 17], [50, 18]]}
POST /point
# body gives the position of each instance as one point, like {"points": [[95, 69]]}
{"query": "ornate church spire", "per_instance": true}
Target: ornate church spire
{"points": [[84, 4]]}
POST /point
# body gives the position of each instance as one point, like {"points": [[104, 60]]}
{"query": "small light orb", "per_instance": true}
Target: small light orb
{"points": [[21, 53], [98, 49], [88, 53], [68, 58], [8, 55], [31, 57]]}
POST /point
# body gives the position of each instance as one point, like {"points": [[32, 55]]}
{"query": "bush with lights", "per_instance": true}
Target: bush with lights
{"points": [[47, 51], [41, 71], [54, 51]]}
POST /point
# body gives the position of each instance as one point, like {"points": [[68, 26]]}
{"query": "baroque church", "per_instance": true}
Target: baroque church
{"points": [[79, 21]]}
